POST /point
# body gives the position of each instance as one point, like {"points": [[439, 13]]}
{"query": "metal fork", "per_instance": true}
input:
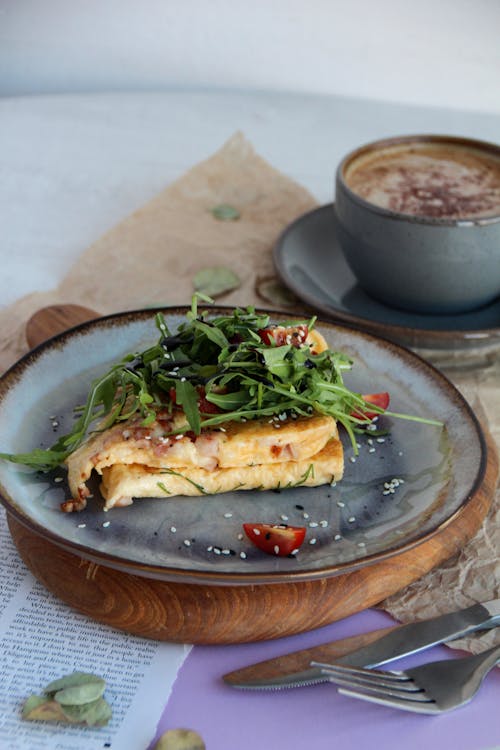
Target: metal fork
{"points": [[428, 689]]}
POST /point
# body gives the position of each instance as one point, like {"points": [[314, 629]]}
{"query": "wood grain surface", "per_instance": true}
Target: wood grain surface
{"points": [[203, 614]]}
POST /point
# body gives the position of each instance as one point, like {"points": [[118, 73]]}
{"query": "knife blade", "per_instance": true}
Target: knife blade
{"points": [[366, 650]]}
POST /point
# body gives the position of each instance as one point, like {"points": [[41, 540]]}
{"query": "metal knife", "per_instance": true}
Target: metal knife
{"points": [[367, 650]]}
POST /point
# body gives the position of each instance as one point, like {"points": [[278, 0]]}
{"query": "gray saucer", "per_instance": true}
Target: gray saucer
{"points": [[310, 262]]}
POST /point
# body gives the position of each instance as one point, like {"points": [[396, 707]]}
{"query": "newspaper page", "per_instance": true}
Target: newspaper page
{"points": [[42, 639]]}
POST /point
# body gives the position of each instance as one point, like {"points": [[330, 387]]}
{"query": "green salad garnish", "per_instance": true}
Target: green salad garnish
{"points": [[218, 369]]}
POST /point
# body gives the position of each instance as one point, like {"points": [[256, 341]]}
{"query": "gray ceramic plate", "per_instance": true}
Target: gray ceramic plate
{"points": [[310, 262], [348, 526]]}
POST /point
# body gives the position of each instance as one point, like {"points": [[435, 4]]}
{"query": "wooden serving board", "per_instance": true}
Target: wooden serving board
{"points": [[201, 613]]}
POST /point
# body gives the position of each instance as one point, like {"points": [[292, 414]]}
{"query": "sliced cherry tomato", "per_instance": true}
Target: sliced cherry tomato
{"points": [[204, 405], [275, 539], [281, 335], [377, 399]]}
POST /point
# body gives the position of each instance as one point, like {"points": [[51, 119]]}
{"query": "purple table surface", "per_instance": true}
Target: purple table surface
{"points": [[317, 716]]}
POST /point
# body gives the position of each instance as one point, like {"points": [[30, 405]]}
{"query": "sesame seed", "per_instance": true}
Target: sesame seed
{"points": [[340, 504], [173, 529], [276, 549], [361, 544], [313, 524], [333, 484], [58, 479], [371, 450], [228, 515], [380, 440], [187, 543], [352, 459], [243, 555], [256, 532], [183, 379], [305, 515], [352, 519], [222, 429], [106, 524], [337, 537], [283, 517], [82, 525], [240, 537], [179, 437], [294, 551], [226, 551], [323, 524], [313, 540], [210, 548], [217, 551]]}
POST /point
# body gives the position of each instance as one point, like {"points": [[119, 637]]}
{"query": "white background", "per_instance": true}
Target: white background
{"points": [[431, 52]]}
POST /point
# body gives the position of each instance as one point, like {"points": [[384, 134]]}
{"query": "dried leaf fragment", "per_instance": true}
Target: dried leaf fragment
{"points": [[225, 212], [75, 679], [73, 699], [215, 281]]}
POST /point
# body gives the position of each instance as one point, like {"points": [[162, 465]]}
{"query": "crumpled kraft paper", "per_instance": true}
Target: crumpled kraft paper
{"points": [[150, 259]]}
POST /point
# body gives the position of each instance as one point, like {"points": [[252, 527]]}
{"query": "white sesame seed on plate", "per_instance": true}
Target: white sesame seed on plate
{"points": [[228, 515], [276, 549], [187, 542], [243, 555], [173, 529], [313, 540], [313, 524], [337, 537], [352, 519], [106, 524], [82, 525]]}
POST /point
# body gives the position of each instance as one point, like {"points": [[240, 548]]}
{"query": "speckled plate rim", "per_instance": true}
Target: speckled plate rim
{"points": [[402, 334], [223, 578]]}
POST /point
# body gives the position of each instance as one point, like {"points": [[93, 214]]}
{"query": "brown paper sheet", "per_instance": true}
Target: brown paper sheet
{"points": [[150, 259]]}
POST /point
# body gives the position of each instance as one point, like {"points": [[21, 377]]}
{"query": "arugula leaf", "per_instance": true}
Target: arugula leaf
{"points": [[187, 397]]}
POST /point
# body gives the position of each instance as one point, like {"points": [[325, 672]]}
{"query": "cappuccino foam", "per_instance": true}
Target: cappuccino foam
{"points": [[436, 180]]}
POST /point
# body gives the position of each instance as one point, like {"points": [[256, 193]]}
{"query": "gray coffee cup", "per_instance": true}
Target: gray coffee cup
{"points": [[447, 261]]}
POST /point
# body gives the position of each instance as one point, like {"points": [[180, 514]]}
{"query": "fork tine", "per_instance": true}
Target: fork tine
{"points": [[369, 674], [422, 706], [375, 684]]}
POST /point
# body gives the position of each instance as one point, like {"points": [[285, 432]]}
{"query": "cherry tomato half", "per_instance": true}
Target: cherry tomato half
{"points": [[377, 399], [275, 539]]}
